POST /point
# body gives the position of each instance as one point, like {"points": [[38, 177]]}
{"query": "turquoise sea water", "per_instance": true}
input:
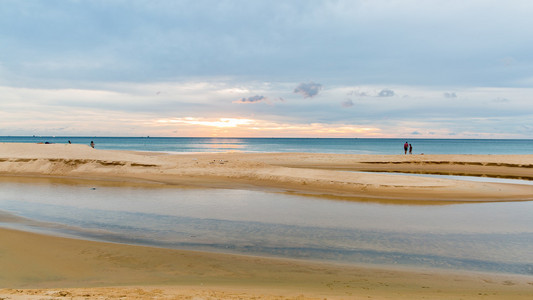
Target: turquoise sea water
{"points": [[314, 145]]}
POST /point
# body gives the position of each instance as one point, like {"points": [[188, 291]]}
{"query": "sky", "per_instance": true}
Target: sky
{"points": [[353, 69]]}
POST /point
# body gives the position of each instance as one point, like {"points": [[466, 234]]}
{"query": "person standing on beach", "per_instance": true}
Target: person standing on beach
{"points": [[410, 149], [92, 144], [405, 146]]}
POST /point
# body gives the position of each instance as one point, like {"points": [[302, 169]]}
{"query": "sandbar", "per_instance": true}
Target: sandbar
{"points": [[337, 175], [36, 266]]}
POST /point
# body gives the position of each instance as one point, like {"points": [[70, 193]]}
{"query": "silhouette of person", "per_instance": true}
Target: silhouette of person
{"points": [[410, 149], [92, 144], [405, 146]]}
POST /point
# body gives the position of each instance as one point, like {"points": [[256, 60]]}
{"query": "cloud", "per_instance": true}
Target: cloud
{"points": [[253, 99], [357, 93], [128, 109], [500, 100], [174, 39], [308, 90], [371, 92], [257, 99], [386, 93], [450, 95], [191, 126], [347, 103], [219, 122]]}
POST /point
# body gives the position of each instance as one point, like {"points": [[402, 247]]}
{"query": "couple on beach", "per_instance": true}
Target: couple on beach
{"points": [[408, 146]]}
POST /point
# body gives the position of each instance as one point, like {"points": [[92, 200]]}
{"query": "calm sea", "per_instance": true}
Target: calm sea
{"points": [[314, 145]]}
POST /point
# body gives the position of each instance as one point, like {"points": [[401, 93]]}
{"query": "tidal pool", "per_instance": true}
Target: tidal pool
{"points": [[490, 237]]}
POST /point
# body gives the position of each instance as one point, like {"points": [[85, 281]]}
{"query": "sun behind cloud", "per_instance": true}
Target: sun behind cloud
{"points": [[242, 127], [221, 122]]}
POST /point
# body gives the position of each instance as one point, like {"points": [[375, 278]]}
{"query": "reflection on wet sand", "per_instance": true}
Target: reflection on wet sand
{"points": [[492, 237]]}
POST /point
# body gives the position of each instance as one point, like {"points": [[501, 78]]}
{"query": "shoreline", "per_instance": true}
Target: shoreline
{"points": [[302, 173], [46, 265]]}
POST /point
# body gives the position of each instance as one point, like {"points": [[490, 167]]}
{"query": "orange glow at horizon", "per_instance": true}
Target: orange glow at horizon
{"points": [[221, 122], [241, 127]]}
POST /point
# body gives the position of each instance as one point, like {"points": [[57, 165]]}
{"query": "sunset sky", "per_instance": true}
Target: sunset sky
{"points": [[374, 68]]}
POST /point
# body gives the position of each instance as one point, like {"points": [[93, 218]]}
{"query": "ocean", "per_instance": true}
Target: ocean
{"points": [[312, 145]]}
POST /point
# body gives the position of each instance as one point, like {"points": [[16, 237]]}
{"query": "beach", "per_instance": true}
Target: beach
{"points": [[333, 175], [45, 267]]}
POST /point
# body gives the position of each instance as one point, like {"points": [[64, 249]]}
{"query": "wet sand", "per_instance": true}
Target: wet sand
{"points": [[304, 173], [43, 267], [52, 267]]}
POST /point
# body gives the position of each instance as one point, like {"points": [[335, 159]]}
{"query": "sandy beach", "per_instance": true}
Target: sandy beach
{"points": [[313, 174], [43, 267]]}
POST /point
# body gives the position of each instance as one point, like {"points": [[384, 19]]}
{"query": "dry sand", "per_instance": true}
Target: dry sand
{"points": [[305, 173], [42, 267]]}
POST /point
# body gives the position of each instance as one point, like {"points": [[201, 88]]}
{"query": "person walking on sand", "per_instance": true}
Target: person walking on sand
{"points": [[92, 144], [410, 149], [405, 146]]}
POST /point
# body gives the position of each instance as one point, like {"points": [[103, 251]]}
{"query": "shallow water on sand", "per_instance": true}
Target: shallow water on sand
{"points": [[493, 237], [461, 177]]}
